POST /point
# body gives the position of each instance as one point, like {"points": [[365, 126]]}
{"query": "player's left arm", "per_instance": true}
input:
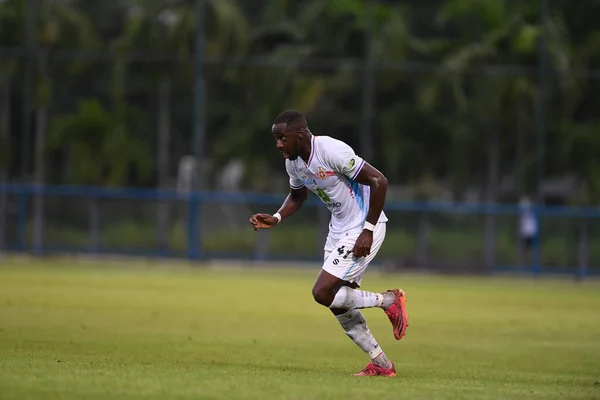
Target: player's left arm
{"points": [[342, 159], [370, 176]]}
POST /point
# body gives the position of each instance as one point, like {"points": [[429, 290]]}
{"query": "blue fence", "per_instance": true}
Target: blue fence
{"points": [[203, 225]]}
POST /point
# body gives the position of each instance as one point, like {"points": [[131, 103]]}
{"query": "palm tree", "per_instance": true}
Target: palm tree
{"points": [[481, 103], [57, 23], [9, 20], [4, 152], [168, 28], [53, 24], [501, 106]]}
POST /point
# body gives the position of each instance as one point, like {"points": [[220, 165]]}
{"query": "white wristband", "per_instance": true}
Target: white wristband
{"points": [[369, 226], [278, 216]]}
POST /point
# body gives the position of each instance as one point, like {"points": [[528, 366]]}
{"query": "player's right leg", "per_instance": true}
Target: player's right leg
{"points": [[355, 325]]}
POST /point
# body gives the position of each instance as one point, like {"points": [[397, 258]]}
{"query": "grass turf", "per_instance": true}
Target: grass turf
{"points": [[121, 331]]}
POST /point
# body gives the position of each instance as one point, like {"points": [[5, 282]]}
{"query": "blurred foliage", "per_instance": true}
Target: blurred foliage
{"points": [[455, 91]]}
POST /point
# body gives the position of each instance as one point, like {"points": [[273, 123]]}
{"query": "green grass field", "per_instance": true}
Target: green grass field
{"points": [[117, 330]]}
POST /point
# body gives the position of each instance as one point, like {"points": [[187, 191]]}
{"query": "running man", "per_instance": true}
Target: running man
{"points": [[354, 192]]}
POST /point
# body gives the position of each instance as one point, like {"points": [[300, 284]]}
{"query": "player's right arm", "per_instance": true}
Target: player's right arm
{"points": [[291, 204]]}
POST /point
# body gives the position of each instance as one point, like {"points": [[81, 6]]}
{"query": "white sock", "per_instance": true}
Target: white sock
{"points": [[356, 328], [348, 299]]}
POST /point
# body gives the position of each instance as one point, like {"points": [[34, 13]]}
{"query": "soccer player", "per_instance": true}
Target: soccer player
{"points": [[354, 192]]}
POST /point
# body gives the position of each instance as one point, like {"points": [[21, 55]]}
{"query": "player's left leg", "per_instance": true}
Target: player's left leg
{"points": [[355, 325]]}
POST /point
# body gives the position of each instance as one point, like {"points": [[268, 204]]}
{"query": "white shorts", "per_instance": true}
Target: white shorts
{"points": [[343, 265]]}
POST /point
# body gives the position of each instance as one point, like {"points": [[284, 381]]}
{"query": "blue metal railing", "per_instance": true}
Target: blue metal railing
{"points": [[271, 199], [25, 193]]}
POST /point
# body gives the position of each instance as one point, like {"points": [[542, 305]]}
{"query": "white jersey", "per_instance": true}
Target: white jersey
{"points": [[330, 173]]}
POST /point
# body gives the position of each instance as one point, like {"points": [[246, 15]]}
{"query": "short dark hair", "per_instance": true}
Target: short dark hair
{"points": [[291, 118]]}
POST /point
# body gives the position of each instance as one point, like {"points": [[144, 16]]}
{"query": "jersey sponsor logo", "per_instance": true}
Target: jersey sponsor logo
{"points": [[351, 163], [321, 193], [323, 174], [325, 197]]}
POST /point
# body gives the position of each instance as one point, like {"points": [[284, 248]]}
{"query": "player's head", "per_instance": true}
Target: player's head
{"points": [[291, 133]]}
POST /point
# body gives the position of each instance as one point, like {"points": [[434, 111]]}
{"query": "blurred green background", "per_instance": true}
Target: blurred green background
{"points": [[483, 101]]}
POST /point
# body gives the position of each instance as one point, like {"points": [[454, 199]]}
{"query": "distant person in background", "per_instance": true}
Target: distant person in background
{"points": [[354, 192], [527, 224]]}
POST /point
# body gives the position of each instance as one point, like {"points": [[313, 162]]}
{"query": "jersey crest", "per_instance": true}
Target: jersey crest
{"points": [[323, 174]]}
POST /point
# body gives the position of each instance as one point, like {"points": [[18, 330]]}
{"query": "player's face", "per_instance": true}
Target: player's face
{"points": [[287, 141]]}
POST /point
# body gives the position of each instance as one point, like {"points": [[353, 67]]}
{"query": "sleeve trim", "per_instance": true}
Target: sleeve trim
{"points": [[362, 163]]}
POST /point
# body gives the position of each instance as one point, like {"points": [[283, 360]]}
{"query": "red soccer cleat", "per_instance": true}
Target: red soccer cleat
{"points": [[375, 370], [397, 314]]}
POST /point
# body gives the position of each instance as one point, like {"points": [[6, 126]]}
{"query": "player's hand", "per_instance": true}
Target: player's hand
{"points": [[362, 247], [263, 221]]}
